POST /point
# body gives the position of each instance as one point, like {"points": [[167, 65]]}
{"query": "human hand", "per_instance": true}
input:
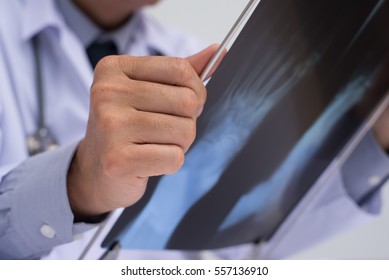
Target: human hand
{"points": [[142, 120]]}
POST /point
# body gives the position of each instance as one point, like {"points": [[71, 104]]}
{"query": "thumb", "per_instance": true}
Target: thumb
{"points": [[200, 60]]}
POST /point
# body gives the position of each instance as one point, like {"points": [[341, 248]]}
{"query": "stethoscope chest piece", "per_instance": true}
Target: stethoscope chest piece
{"points": [[42, 140]]}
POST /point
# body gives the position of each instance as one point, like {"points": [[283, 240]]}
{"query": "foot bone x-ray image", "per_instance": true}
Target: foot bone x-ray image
{"points": [[298, 82]]}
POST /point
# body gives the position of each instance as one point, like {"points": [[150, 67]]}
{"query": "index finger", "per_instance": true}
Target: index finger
{"points": [[159, 69]]}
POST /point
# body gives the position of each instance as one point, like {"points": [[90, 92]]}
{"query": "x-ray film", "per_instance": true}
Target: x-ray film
{"points": [[300, 82]]}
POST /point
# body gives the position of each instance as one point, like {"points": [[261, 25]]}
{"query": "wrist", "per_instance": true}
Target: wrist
{"points": [[82, 197]]}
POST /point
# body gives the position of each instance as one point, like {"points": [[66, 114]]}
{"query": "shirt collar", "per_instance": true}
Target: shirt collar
{"points": [[163, 41], [124, 35], [87, 31], [37, 16], [148, 30]]}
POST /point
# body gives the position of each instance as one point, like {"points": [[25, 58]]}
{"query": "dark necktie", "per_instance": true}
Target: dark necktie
{"points": [[97, 50]]}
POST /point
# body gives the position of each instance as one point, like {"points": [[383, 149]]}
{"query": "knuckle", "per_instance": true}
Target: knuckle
{"points": [[107, 62], [130, 65], [102, 92], [111, 163], [182, 69], [106, 90], [156, 125], [189, 103], [133, 159], [105, 120], [110, 120], [121, 161]]}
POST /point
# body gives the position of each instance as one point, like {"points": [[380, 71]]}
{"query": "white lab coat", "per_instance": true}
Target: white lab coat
{"points": [[325, 210]]}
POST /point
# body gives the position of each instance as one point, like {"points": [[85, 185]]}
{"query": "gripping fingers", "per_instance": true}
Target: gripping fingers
{"points": [[163, 70], [165, 99], [146, 160], [154, 128]]}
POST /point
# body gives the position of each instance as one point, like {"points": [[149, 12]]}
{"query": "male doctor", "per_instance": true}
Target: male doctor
{"points": [[131, 118]]}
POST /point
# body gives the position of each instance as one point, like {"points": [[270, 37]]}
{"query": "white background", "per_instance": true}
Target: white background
{"points": [[210, 20]]}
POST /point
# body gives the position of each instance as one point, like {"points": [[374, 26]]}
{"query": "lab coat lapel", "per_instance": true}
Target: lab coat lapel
{"points": [[43, 15], [76, 54]]}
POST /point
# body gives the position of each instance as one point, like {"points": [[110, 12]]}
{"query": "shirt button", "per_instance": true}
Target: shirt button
{"points": [[47, 231], [374, 180]]}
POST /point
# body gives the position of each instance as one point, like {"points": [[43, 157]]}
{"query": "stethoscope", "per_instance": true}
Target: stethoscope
{"points": [[41, 140]]}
